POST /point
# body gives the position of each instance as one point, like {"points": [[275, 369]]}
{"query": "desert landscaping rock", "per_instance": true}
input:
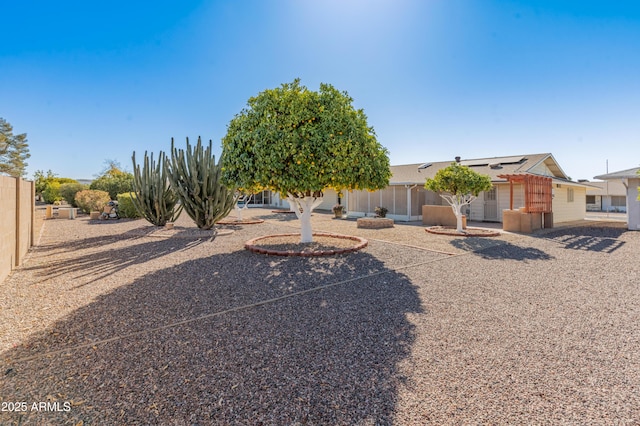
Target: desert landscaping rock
{"points": [[414, 329]]}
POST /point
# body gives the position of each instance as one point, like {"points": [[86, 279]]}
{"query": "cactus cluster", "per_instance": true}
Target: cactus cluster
{"points": [[196, 178], [155, 200]]}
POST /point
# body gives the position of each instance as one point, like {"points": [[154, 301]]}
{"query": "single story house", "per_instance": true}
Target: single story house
{"points": [[631, 180], [607, 196], [405, 195]]}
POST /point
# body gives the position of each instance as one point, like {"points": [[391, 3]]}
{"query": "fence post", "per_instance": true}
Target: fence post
{"points": [[18, 227], [32, 202]]}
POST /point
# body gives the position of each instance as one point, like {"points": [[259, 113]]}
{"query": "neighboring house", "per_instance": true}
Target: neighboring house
{"points": [[608, 196], [405, 194], [267, 198], [631, 180]]}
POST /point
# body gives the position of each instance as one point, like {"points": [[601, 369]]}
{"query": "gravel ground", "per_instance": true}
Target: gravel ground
{"points": [[116, 322]]}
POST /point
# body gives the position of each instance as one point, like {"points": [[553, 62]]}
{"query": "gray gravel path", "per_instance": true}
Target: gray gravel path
{"points": [[112, 325]]}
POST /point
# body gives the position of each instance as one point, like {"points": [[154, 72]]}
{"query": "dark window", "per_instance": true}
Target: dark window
{"points": [[618, 201]]}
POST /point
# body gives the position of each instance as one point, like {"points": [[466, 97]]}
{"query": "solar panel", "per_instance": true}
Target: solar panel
{"points": [[487, 161]]}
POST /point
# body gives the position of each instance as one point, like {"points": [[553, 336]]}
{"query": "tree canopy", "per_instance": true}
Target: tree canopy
{"points": [[457, 179], [14, 150], [299, 142], [460, 185], [113, 180]]}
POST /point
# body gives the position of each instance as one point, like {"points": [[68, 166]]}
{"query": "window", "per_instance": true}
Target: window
{"points": [[570, 195], [618, 201], [591, 199]]}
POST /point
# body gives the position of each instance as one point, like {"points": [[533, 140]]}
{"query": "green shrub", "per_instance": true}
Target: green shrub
{"points": [[126, 208], [51, 193], [89, 200], [68, 191], [114, 183]]}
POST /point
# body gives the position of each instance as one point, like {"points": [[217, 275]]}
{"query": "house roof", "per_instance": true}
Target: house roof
{"points": [[622, 174], [540, 164], [614, 187]]}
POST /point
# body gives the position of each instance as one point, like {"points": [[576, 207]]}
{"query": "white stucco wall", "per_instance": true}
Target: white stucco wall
{"points": [[565, 210], [633, 205], [503, 195], [329, 199]]}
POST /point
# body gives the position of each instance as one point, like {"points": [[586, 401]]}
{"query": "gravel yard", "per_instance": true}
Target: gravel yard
{"points": [[116, 322]]}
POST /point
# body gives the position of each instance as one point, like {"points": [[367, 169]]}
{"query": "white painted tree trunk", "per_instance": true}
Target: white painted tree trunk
{"points": [[459, 218], [457, 202], [303, 208], [244, 199], [238, 213]]}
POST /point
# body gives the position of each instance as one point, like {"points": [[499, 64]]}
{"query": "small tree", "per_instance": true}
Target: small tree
{"points": [[68, 191], [113, 180], [298, 143], [461, 184], [242, 203], [51, 193], [14, 150], [42, 180]]}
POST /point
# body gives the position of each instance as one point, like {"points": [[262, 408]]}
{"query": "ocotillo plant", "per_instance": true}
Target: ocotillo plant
{"points": [[155, 200], [196, 177]]}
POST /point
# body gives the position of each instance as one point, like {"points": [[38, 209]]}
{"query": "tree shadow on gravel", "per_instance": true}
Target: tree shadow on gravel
{"points": [[500, 250], [112, 255], [602, 238], [234, 338]]}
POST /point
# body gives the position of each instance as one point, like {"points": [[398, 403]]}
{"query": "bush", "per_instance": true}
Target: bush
{"points": [[381, 211], [90, 200], [114, 184], [51, 193], [126, 208], [68, 191]]}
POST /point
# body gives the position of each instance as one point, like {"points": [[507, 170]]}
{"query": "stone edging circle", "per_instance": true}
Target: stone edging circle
{"points": [[468, 232], [240, 222], [250, 245]]}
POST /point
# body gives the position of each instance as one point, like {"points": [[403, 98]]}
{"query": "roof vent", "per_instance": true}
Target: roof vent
{"points": [[423, 166], [495, 165]]}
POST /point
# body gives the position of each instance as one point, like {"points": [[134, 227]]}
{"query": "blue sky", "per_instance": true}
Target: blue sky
{"points": [[95, 81]]}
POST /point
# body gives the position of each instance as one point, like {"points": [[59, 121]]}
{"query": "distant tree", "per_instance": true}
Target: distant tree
{"points": [[113, 180], [299, 142], [41, 180], [51, 193], [69, 190], [460, 185], [14, 150]]}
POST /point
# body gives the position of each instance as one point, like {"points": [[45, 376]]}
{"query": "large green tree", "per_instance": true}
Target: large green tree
{"points": [[299, 142], [459, 186], [14, 150]]}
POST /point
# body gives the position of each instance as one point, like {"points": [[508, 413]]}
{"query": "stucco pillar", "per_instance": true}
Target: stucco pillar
{"points": [[633, 205]]}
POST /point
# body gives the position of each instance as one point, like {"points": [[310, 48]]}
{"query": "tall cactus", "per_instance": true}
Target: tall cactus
{"points": [[155, 200], [197, 179]]}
